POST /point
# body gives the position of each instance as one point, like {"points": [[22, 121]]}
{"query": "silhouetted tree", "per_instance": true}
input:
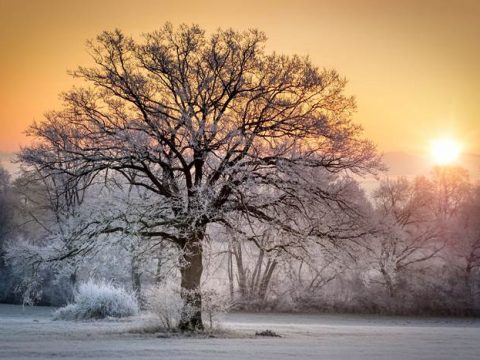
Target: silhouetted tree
{"points": [[207, 127]]}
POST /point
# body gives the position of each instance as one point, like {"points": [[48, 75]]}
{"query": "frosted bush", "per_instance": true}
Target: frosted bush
{"points": [[167, 304], [213, 305], [97, 300]]}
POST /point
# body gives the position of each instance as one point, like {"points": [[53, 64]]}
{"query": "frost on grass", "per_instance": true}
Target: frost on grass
{"points": [[98, 300]]}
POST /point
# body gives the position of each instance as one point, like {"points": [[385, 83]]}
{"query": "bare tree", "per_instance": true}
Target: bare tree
{"points": [[458, 204], [6, 211], [467, 246], [451, 186], [407, 233], [5, 205], [331, 230], [207, 126], [254, 265]]}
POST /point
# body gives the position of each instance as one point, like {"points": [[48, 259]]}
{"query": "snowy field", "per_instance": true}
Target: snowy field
{"points": [[30, 333]]}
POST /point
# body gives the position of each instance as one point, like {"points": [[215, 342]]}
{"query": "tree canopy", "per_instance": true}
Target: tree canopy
{"points": [[208, 127]]}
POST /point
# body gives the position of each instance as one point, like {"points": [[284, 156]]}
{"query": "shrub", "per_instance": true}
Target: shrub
{"points": [[167, 304], [268, 333], [213, 305], [98, 300]]}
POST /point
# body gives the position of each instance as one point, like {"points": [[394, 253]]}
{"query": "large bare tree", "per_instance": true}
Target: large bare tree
{"points": [[207, 126]]}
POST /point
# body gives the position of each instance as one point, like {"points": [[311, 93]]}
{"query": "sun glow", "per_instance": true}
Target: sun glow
{"points": [[445, 151]]}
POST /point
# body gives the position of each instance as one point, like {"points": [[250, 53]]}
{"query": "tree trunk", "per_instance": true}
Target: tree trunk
{"points": [[389, 283], [242, 277], [136, 279], [230, 272], [159, 276], [73, 284], [267, 277], [469, 288], [191, 273]]}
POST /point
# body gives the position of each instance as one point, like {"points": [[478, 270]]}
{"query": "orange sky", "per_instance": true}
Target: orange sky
{"points": [[414, 66]]}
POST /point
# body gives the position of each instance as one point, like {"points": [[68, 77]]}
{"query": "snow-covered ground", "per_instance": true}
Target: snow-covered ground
{"points": [[30, 333]]}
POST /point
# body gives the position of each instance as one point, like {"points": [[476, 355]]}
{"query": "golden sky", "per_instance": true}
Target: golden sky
{"points": [[414, 66]]}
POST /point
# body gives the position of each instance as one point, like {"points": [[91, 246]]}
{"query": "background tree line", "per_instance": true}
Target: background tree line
{"points": [[413, 249]]}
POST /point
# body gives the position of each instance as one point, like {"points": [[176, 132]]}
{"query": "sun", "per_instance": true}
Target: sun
{"points": [[445, 150]]}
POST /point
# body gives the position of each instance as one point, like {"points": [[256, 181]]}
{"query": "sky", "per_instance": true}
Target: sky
{"points": [[414, 66]]}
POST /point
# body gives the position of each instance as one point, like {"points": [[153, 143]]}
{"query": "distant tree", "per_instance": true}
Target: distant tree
{"points": [[258, 251], [5, 204], [6, 209], [207, 127], [467, 247], [457, 204], [451, 187], [406, 231], [7, 212]]}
